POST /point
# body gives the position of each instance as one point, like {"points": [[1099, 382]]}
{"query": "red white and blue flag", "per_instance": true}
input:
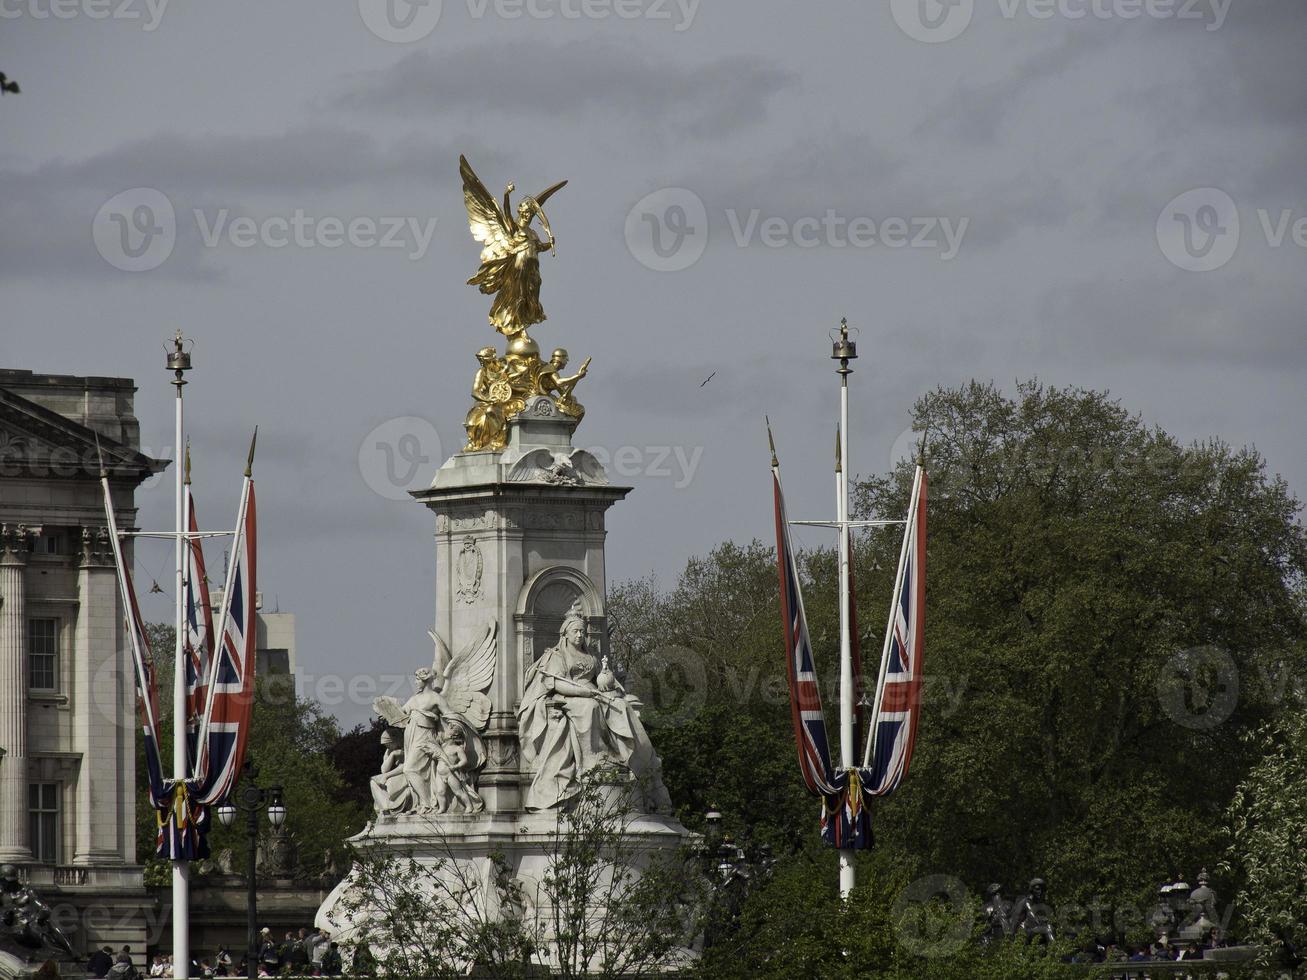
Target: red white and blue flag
{"points": [[197, 636], [229, 683], [805, 696], [846, 793], [897, 706]]}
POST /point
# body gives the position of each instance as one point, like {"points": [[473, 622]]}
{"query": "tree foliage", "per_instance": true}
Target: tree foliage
{"points": [[1268, 817]]}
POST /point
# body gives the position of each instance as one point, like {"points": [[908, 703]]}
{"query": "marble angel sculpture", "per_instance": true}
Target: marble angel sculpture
{"points": [[575, 718], [435, 770]]}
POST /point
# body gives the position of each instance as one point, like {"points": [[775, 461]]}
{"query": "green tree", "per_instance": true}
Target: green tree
{"points": [[1110, 602], [1267, 816]]}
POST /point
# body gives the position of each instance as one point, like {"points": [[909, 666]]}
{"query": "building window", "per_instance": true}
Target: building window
{"points": [[42, 654], [43, 821]]}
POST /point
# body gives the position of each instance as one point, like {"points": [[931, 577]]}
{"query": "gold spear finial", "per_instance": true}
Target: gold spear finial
{"points": [[188, 463], [921, 447], [100, 455], [771, 444], [839, 457], [249, 461]]}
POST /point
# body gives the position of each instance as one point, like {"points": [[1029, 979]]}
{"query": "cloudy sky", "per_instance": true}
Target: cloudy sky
{"points": [[1107, 193]]}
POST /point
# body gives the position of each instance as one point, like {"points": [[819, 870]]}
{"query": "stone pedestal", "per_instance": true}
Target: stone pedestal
{"points": [[519, 537]]}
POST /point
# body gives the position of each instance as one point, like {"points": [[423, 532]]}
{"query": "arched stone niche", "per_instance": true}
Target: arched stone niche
{"points": [[544, 601]]}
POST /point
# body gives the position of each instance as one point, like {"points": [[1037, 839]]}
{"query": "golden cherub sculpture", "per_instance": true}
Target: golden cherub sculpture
{"points": [[510, 270]]}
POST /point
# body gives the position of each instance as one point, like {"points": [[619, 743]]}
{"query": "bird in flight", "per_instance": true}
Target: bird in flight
{"points": [[707, 379], [7, 87]]}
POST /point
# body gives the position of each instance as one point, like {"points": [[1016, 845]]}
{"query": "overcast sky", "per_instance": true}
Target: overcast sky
{"points": [[988, 189]]}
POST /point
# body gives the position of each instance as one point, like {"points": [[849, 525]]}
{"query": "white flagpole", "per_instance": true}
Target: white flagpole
{"points": [[844, 350], [179, 362]]}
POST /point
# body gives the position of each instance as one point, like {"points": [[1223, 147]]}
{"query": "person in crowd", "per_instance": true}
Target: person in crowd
{"points": [[268, 956], [100, 962], [316, 943], [332, 963], [296, 955], [123, 968]]}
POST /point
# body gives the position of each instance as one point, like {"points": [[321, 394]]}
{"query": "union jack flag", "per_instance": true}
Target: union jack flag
{"points": [[224, 728], [897, 707], [197, 637], [805, 697]]}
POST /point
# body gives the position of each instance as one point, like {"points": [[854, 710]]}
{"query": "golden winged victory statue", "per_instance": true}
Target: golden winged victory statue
{"points": [[510, 271]]}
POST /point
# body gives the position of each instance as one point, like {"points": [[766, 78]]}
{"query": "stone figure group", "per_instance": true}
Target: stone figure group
{"points": [[433, 747], [575, 719]]}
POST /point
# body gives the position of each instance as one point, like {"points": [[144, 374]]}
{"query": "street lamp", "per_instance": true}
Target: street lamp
{"points": [[249, 800]]}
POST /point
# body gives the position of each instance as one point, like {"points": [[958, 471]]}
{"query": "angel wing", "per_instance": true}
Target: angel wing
{"points": [[468, 675], [487, 223], [390, 709]]}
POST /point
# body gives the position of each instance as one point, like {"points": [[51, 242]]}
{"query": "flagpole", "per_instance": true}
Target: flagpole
{"points": [[844, 350], [179, 362]]}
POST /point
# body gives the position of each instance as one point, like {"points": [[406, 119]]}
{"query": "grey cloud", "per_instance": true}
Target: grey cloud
{"points": [[573, 80]]}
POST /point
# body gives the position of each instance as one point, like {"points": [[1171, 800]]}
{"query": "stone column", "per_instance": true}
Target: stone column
{"points": [[99, 725], [14, 846]]}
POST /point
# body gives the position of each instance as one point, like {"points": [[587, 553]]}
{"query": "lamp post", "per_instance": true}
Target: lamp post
{"points": [[249, 799]]}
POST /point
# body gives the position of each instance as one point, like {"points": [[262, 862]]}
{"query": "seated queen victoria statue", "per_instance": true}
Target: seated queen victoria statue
{"points": [[576, 720]]}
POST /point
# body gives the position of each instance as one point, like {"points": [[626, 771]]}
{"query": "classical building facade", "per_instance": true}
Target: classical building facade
{"points": [[67, 694]]}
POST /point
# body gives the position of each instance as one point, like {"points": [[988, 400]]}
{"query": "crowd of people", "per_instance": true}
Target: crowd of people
{"points": [[302, 954]]}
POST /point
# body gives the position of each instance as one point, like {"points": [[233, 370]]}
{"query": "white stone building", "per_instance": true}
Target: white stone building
{"points": [[67, 694]]}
